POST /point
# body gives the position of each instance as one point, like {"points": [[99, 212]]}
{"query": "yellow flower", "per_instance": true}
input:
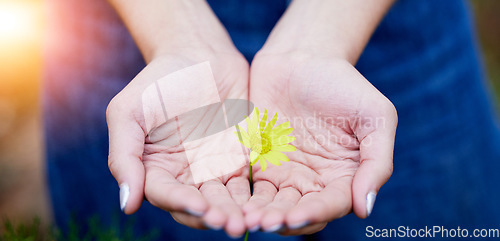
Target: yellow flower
{"points": [[266, 142]]}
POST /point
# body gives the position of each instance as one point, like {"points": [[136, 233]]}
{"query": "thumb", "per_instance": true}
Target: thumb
{"points": [[376, 151], [126, 146]]}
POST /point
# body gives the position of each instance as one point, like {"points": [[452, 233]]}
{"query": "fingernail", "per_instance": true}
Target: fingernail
{"points": [[194, 213], [235, 236], [215, 228], [298, 225], [254, 229], [275, 228], [370, 201], [124, 194]]}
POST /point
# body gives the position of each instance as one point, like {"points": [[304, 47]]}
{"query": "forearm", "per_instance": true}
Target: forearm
{"points": [[162, 26], [329, 28]]}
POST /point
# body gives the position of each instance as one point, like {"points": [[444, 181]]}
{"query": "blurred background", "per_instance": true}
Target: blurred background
{"points": [[22, 186], [22, 175]]}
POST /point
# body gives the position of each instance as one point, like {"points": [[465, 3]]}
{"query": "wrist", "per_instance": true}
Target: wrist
{"points": [[327, 28], [303, 50], [195, 35], [162, 27], [193, 47]]}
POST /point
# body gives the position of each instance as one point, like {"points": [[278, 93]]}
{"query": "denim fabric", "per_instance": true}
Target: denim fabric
{"points": [[423, 57]]}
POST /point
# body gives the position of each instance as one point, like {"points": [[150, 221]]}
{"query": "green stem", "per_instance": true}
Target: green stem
{"points": [[250, 179], [246, 236]]}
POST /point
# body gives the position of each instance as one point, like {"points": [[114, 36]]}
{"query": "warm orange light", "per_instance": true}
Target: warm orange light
{"points": [[21, 28], [13, 21], [19, 21]]}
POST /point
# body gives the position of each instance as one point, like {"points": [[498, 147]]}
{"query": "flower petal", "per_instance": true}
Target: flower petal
{"points": [[263, 164], [271, 123], [251, 128], [273, 159], [255, 120], [281, 132], [242, 136], [254, 157], [283, 125], [281, 140], [263, 121], [284, 148], [276, 156], [242, 139]]}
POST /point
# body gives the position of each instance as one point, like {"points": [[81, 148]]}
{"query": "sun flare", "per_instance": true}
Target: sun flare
{"points": [[19, 20]]}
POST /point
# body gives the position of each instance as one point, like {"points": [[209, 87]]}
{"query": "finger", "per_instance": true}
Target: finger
{"points": [[239, 188], [308, 229], [333, 202], [188, 220], [126, 145], [274, 213], [263, 194], [224, 211], [164, 191], [376, 152]]}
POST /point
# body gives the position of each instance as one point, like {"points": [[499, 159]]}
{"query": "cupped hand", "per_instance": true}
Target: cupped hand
{"points": [[345, 132], [158, 172]]}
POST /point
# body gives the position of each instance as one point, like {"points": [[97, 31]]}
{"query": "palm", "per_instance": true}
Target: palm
{"points": [[168, 181], [332, 109]]}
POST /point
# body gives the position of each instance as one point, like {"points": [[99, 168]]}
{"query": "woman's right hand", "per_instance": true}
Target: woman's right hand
{"points": [[173, 35], [155, 171]]}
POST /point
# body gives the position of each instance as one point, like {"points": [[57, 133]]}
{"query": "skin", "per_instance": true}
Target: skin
{"points": [[344, 146], [305, 68], [153, 171], [347, 151]]}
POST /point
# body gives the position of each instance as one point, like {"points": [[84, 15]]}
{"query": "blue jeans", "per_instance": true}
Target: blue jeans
{"points": [[423, 57]]}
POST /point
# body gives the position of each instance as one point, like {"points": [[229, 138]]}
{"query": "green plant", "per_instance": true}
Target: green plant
{"points": [[25, 232], [94, 231]]}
